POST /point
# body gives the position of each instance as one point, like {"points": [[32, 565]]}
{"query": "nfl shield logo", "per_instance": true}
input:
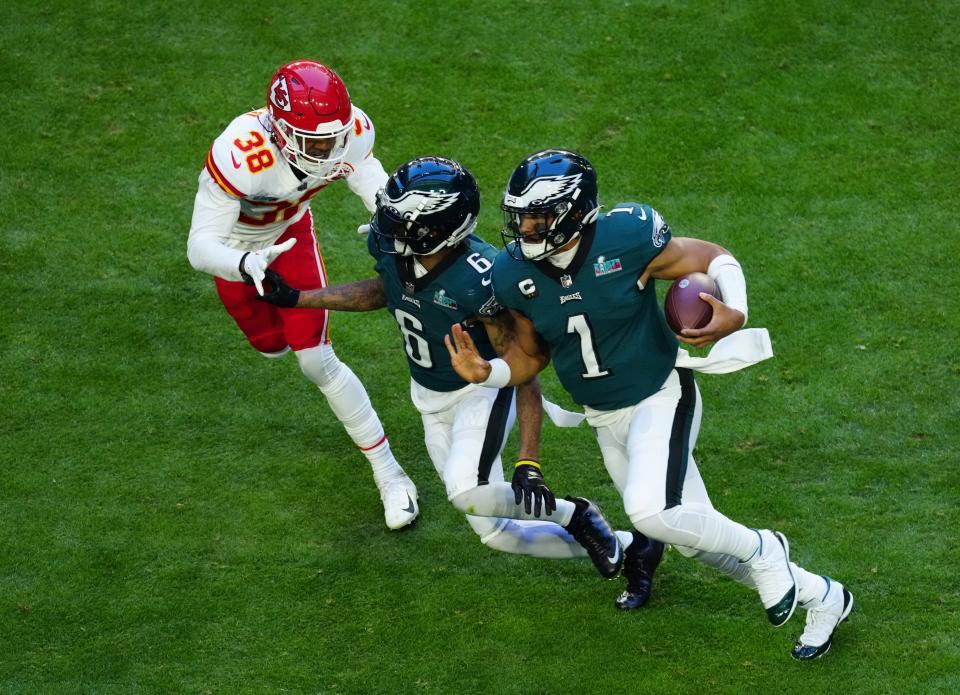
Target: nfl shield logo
{"points": [[566, 280]]}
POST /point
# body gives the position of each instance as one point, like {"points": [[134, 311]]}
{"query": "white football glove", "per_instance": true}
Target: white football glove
{"points": [[254, 264], [363, 229]]}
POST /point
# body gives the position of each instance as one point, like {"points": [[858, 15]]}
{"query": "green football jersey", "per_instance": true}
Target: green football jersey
{"points": [[609, 342], [425, 308]]}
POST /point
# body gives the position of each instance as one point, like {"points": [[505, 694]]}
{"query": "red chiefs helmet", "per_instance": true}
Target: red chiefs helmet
{"points": [[311, 115]]}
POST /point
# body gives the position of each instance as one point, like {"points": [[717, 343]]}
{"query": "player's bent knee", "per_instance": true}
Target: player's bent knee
{"points": [[275, 355], [653, 526], [270, 345], [487, 528], [464, 499], [687, 551]]}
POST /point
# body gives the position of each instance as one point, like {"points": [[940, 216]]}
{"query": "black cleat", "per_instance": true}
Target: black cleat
{"points": [[591, 530], [641, 559]]}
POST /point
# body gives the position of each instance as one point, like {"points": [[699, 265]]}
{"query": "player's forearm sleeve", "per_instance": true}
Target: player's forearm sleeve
{"points": [[727, 273], [368, 178], [213, 218]]}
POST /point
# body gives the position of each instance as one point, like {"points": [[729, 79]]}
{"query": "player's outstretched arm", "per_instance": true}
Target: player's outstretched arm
{"points": [[364, 295], [530, 417]]}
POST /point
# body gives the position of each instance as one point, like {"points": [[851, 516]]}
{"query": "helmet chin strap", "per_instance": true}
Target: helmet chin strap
{"points": [[591, 216]]}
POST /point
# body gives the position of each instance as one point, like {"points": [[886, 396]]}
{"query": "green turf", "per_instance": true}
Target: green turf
{"points": [[178, 515]]}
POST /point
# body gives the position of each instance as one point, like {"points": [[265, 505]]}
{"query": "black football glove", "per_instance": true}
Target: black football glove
{"points": [[276, 291], [528, 484]]}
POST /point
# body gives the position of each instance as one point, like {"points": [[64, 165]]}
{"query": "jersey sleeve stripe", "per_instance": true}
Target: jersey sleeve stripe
{"points": [[221, 180]]}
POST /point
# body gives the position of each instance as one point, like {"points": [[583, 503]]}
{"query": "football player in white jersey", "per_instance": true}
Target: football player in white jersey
{"points": [[252, 210]]}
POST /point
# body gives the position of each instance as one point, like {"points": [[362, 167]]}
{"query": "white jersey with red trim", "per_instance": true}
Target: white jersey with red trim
{"points": [[248, 193]]}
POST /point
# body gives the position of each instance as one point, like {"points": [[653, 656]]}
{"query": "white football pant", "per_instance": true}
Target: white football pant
{"points": [[648, 452], [465, 432]]}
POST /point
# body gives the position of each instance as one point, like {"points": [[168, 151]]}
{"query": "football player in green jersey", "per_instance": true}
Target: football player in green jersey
{"points": [[580, 290], [433, 271]]}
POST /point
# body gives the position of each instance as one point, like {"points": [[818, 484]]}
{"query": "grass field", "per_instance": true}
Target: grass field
{"points": [[178, 515]]}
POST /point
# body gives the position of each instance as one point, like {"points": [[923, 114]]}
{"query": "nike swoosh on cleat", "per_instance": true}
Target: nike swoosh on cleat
{"points": [[616, 556], [410, 507]]}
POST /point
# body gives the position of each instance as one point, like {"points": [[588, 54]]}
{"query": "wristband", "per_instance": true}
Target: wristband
{"points": [[499, 374], [527, 462], [727, 273], [243, 273]]}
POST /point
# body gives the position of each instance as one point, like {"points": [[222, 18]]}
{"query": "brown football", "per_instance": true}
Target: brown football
{"points": [[683, 306]]}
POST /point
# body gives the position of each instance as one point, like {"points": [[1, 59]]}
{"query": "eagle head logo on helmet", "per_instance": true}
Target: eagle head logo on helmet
{"points": [[413, 204], [548, 188]]}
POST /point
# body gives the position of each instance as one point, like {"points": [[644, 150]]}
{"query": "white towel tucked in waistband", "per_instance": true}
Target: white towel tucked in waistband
{"points": [[560, 417], [737, 351]]}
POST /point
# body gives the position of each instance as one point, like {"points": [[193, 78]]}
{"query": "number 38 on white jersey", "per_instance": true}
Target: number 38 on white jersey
{"points": [[248, 194]]}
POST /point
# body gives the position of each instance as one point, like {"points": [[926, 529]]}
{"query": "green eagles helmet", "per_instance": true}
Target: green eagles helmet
{"points": [[428, 203]]}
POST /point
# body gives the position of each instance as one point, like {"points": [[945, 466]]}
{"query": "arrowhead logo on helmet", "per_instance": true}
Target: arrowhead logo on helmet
{"points": [[279, 94]]}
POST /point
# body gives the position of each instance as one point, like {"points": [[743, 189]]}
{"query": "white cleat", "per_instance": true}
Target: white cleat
{"points": [[771, 572], [822, 620], [399, 502]]}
